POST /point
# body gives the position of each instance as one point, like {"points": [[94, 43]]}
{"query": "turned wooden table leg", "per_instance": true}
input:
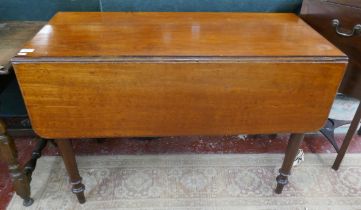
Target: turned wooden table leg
{"points": [[66, 150], [346, 142], [293, 145], [9, 154]]}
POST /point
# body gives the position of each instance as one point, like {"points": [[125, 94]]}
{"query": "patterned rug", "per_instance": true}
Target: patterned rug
{"points": [[197, 182]]}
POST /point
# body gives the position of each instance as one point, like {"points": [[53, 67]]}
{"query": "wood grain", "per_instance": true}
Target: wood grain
{"points": [[71, 100], [13, 35], [160, 74], [319, 15], [95, 34], [349, 3]]}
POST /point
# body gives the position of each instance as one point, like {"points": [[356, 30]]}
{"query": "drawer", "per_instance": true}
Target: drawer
{"points": [[320, 14]]}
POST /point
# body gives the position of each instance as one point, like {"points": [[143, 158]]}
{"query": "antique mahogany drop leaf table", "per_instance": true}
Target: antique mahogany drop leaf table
{"points": [[94, 75]]}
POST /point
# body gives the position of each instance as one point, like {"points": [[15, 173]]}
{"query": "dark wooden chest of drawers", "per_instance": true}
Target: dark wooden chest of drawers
{"points": [[340, 22]]}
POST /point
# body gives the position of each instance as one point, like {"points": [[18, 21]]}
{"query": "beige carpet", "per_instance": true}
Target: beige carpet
{"points": [[197, 182]]}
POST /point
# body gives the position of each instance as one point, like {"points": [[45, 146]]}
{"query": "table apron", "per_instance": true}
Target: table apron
{"points": [[76, 100]]}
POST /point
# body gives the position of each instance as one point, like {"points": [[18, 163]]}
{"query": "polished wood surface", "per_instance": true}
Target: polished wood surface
{"points": [[94, 34], [164, 74], [319, 14], [349, 3], [203, 74], [159, 99], [13, 35]]}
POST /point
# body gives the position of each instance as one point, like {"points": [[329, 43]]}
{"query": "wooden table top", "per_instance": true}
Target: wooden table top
{"points": [[162, 74], [71, 35], [13, 36]]}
